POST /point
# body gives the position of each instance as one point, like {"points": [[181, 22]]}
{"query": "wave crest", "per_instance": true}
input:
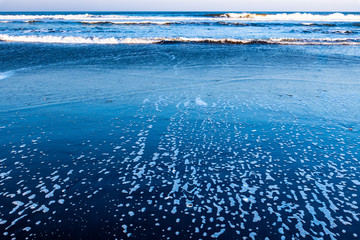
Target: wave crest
{"points": [[335, 17], [128, 23], [290, 16], [97, 40]]}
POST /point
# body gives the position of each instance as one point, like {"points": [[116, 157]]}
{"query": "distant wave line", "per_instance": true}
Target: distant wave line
{"points": [[335, 17], [215, 22], [289, 16], [90, 17]]}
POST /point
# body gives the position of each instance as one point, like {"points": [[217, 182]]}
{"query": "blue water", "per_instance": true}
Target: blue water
{"points": [[183, 130], [270, 28]]}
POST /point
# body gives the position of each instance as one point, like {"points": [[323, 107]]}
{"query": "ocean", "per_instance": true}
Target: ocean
{"points": [[179, 125]]}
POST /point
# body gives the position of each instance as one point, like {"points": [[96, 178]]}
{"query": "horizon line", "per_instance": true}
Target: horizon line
{"points": [[312, 11]]}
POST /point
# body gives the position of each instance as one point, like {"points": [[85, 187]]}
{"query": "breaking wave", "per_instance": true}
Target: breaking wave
{"points": [[290, 17], [129, 23], [201, 23], [96, 40]]}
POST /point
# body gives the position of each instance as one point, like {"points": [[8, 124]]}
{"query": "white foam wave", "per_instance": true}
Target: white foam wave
{"points": [[97, 40], [307, 24], [334, 17], [78, 40], [239, 16], [7, 74], [128, 22]]}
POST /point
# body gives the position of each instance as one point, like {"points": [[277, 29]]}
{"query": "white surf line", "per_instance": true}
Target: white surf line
{"points": [[162, 40], [296, 16]]}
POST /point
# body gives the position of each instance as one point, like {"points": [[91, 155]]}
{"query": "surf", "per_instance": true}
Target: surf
{"points": [[162, 40]]}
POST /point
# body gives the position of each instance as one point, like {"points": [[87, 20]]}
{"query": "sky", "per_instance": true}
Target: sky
{"points": [[180, 5]]}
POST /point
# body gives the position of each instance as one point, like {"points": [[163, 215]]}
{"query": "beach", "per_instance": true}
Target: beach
{"points": [[179, 125]]}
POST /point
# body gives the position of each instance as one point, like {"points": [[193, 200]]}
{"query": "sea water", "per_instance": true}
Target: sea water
{"points": [[195, 125]]}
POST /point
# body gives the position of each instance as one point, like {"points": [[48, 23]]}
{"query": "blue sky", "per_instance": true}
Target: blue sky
{"points": [[180, 5]]}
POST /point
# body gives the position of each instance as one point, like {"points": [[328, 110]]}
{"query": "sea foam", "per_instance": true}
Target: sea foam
{"points": [[291, 17], [7, 74], [240, 16], [113, 40]]}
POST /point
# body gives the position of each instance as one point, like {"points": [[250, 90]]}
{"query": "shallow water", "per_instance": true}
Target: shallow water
{"points": [[178, 141]]}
